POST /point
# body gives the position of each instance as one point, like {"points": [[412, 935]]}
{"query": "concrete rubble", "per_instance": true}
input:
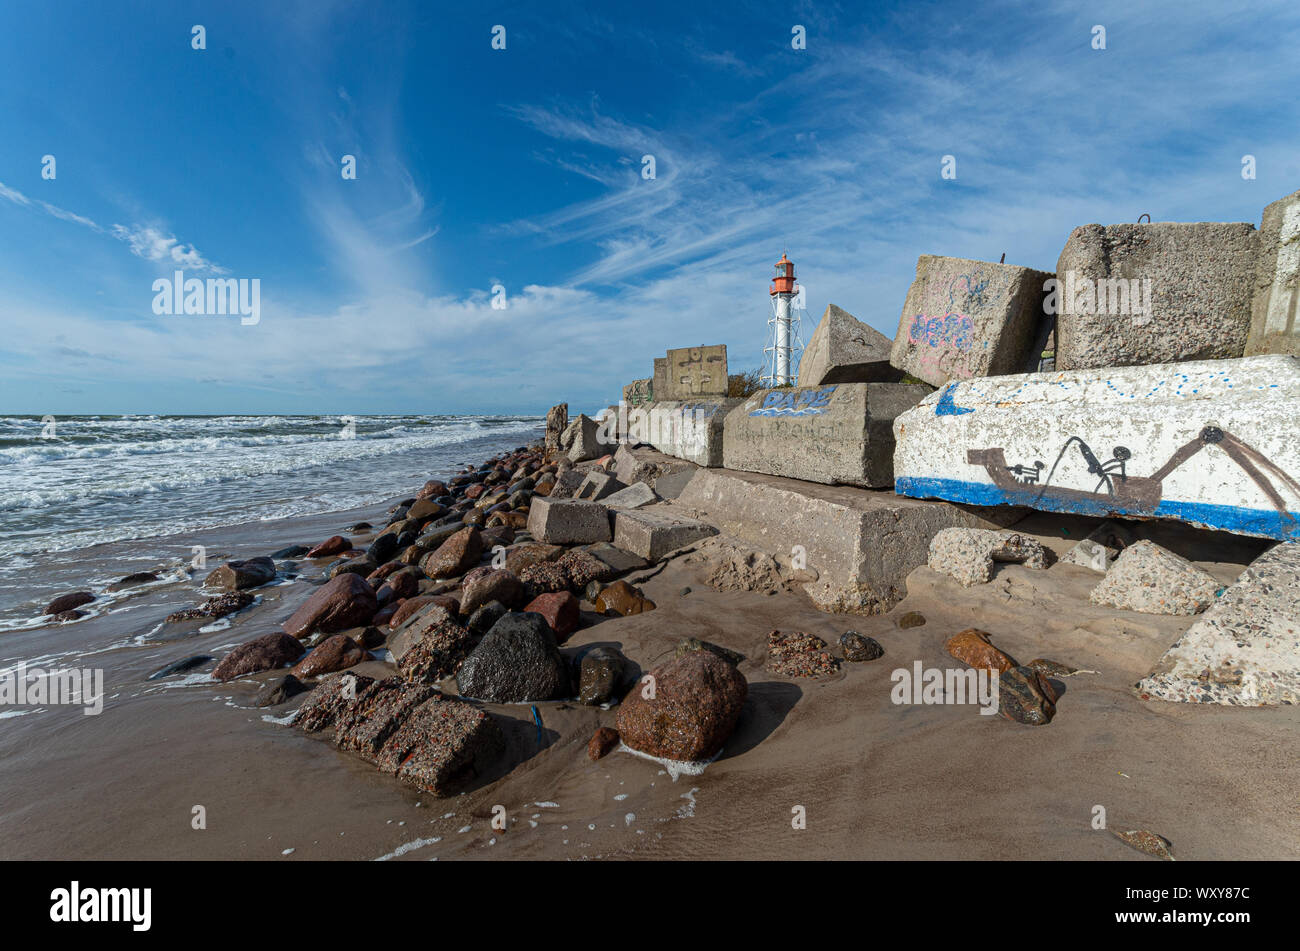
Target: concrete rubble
{"points": [[1275, 307], [845, 350]]}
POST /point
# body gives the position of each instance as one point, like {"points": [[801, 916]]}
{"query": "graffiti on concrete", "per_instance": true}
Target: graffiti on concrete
{"points": [[812, 401]]}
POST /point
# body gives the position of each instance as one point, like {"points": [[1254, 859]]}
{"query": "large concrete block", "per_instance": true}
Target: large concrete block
{"points": [[838, 434], [653, 534], [845, 350], [1275, 311], [659, 382], [638, 392], [1245, 650], [687, 429], [964, 319], [862, 543], [1211, 443], [693, 372], [1154, 293], [663, 473], [567, 521], [557, 421]]}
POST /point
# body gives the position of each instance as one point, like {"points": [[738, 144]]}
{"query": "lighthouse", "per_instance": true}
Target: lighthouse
{"points": [[784, 324]]}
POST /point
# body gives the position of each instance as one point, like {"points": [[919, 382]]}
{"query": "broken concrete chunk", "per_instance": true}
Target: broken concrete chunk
{"points": [[1152, 580], [651, 534], [1275, 309], [968, 554], [845, 350], [567, 521]]}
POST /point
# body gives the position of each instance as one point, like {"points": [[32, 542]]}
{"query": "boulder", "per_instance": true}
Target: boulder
{"points": [[1152, 580], [459, 553], [622, 599], [560, 609], [799, 654], [278, 691], [557, 420], [686, 710], [342, 602], [68, 602], [860, 648], [516, 661], [437, 652], [968, 554], [335, 653], [845, 350], [524, 556], [133, 580], [441, 745], [973, 647], [1025, 695], [494, 584], [333, 545], [601, 673], [216, 607], [262, 653], [602, 742], [238, 575]]}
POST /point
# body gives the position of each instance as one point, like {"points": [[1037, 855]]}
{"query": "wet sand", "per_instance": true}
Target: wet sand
{"points": [[877, 780]]}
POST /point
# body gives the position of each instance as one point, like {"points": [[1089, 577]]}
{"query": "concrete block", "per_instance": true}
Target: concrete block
{"points": [[1245, 650], [567, 483], [1154, 293], [687, 429], [638, 392], [1275, 309], [862, 543], [663, 473], [692, 372], [597, 485], [965, 319], [580, 440], [567, 521], [968, 554], [651, 534], [838, 434], [845, 350], [557, 421], [616, 560], [659, 382], [631, 497], [1211, 443]]}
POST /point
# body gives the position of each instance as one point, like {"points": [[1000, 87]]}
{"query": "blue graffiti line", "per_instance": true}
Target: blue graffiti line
{"points": [[800, 402], [946, 406], [952, 328]]}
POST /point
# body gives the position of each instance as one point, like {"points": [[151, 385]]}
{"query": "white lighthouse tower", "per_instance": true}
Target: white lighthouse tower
{"points": [[780, 356]]}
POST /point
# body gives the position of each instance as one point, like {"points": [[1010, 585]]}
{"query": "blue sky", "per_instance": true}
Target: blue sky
{"points": [[522, 167]]}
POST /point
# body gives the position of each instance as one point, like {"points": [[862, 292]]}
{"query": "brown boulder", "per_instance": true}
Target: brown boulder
{"points": [[334, 653], [408, 609], [525, 556], [433, 489], [333, 545], [494, 584], [972, 646], [560, 608], [455, 556], [342, 602], [602, 741], [622, 599], [67, 602], [686, 711], [400, 584], [1024, 694], [238, 575], [267, 652]]}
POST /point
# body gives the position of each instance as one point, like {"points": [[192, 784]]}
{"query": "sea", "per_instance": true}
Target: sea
{"points": [[126, 491]]}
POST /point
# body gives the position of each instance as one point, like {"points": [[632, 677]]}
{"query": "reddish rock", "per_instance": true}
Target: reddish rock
{"points": [[602, 741], [334, 653], [402, 584], [442, 646], [582, 568], [474, 491], [385, 614], [622, 599], [238, 575], [560, 608], [216, 607], [448, 601], [267, 652], [1024, 694], [455, 556], [67, 602], [494, 584], [432, 489], [692, 709], [342, 602], [409, 608], [798, 654], [525, 556], [384, 570], [334, 545], [972, 646], [544, 577]]}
